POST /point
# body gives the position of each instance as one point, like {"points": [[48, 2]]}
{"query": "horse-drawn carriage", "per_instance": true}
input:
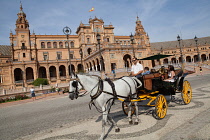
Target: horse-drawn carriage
{"points": [[158, 93], [131, 91]]}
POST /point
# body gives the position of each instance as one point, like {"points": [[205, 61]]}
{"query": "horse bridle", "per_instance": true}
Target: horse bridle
{"points": [[93, 97]]}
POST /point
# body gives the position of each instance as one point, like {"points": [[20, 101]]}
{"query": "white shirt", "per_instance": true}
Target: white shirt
{"points": [[136, 68]]}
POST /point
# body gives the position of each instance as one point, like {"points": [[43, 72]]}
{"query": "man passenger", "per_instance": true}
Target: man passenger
{"points": [[136, 68]]}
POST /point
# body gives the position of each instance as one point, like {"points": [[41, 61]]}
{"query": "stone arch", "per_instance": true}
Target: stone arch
{"points": [[72, 68], [94, 66], [62, 70], [195, 57], [18, 74], [90, 66], [52, 70], [165, 61], [173, 60], [79, 68], [188, 59], [203, 57], [98, 64], [127, 60], [29, 73], [42, 72]]}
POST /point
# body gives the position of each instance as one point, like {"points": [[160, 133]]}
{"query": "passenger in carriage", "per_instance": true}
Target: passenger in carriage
{"points": [[136, 68], [171, 74], [146, 71]]}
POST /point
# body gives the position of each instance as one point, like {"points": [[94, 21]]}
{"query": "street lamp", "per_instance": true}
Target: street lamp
{"points": [[81, 55], [132, 39], [67, 32], [179, 40], [98, 36], [196, 42]]}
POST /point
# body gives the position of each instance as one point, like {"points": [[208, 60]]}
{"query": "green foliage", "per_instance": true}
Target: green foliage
{"points": [[40, 81]]}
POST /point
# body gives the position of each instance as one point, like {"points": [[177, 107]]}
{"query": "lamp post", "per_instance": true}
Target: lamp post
{"points": [[179, 40], [132, 39], [67, 32], [81, 55], [196, 42], [98, 36]]}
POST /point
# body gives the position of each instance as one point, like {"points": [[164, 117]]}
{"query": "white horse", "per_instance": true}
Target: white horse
{"points": [[102, 95]]}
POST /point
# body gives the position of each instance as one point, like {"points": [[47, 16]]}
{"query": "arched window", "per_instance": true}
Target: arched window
{"points": [[42, 45], [72, 44], [48, 44], [89, 51], [66, 44], [54, 44], [60, 44]]}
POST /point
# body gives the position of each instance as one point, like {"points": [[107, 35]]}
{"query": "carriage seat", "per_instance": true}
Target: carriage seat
{"points": [[147, 80]]}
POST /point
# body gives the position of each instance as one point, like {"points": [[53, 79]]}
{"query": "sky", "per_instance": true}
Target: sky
{"points": [[163, 20]]}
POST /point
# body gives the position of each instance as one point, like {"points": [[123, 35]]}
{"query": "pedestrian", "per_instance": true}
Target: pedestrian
{"points": [[113, 71], [33, 93], [201, 71], [57, 90]]}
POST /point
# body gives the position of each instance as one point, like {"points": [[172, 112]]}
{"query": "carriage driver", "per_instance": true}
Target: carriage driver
{"points": [[136, 68]]}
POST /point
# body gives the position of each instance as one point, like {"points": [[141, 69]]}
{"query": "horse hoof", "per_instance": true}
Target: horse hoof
{"points": [[117, 130], [130, 122], [136, 123]]}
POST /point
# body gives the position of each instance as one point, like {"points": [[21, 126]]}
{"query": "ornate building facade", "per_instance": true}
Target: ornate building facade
{"points": [[54, 57]]}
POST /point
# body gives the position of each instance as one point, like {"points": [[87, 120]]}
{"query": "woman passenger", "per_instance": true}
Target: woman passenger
{"points": [[171, 74]]}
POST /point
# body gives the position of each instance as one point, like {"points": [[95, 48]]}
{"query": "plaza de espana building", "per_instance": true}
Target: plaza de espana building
{"points": [[32, 56]]}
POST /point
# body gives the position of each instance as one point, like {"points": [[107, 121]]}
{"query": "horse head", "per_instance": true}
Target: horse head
{"points": [[74, 87]]}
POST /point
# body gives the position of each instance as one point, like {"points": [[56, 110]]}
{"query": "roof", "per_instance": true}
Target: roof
{"points": [[173, 44], [5, 50]]}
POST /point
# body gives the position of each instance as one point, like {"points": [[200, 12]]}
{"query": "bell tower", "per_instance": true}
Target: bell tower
{"points": [[140, 35], [22, 45]]}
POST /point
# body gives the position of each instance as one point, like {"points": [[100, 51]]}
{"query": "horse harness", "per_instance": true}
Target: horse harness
{"points": [[100, 89]]}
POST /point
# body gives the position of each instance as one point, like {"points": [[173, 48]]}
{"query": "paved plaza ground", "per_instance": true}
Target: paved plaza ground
{"points": [[182, 121]]}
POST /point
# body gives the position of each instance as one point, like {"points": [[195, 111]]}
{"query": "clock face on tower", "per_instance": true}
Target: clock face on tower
{"points": [[22, 36]]}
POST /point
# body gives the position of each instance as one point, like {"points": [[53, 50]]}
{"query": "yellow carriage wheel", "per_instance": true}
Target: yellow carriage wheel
{"points": [[125, 106], [161, 107], [186, 92]]}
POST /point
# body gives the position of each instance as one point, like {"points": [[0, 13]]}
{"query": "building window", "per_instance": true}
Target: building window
{"points": [[88, 40], [71, 56], [59, 55], [54, 44], [107, 39], [24, 55], [60, 44], [45, 55], [89, 51], [48, 44], [66, 44], [23, 46], [1, 78], [42, 45], [72, 44], [112, 56]]}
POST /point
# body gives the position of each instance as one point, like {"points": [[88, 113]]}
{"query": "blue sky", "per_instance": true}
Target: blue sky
{"points": [[163, 20]]}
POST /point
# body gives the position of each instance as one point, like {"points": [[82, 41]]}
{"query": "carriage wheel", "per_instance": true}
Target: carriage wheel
{"points": [[186, 92], [161, 107], [126, 108]]}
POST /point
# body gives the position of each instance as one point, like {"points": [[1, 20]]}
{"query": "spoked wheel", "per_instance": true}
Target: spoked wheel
{"points": [[125, 106], [186, 92], [161, 107]]}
